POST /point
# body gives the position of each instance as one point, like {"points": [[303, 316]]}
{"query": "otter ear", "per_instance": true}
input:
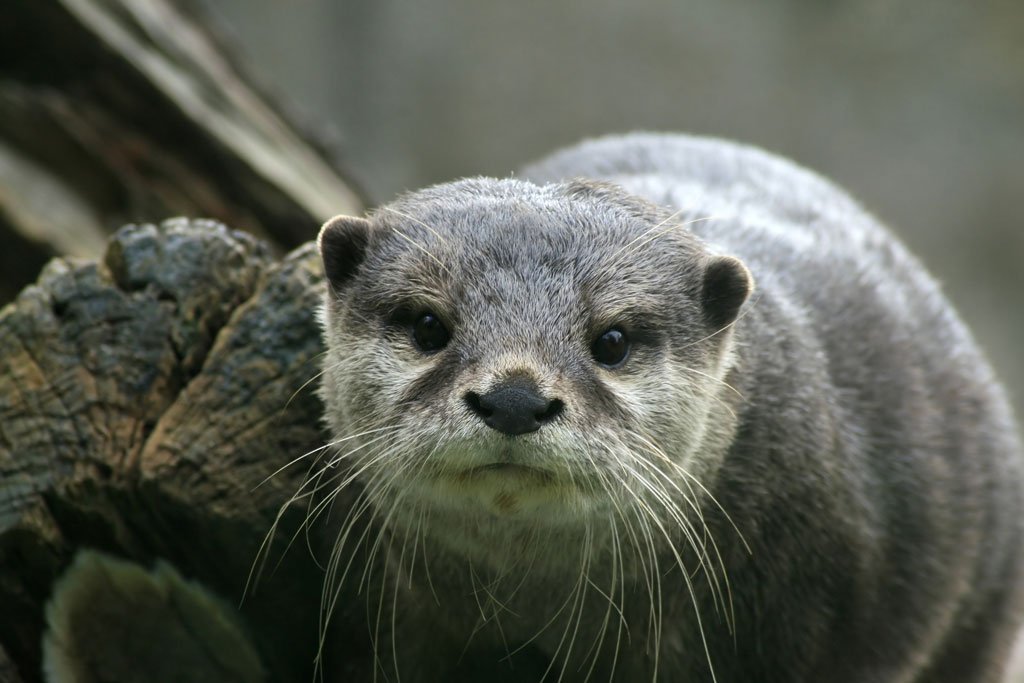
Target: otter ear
{"points": [[342, 242], [727, 283]]}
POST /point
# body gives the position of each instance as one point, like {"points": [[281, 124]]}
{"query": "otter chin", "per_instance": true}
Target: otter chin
{"points": [[506, 473], [661, 408], [507, 486]]}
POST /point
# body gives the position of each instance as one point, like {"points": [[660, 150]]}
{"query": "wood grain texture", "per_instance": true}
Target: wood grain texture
{"points": [[143, 399], [117, 111]]}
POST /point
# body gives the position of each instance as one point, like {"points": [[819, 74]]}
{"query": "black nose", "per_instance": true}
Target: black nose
{"points": [[514, 407]]}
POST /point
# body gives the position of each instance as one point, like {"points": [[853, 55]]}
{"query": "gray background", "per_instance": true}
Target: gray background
{"points": [[915, 107]]}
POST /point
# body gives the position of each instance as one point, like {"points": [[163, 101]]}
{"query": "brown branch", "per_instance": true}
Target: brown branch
{"points": [[143, 398], [114, 111]]}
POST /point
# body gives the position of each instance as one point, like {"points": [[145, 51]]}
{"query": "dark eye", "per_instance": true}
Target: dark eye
{"points": [[610, 348], [429, 333]]}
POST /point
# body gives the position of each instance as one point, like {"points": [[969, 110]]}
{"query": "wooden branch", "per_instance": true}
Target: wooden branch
{"points": [[143, 398], [114, 111]]}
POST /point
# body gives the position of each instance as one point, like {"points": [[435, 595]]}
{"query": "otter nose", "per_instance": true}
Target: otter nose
{"points": [[514, 407]]}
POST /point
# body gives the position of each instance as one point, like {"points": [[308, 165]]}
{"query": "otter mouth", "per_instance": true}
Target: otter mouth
{"points": [[507, 469]]}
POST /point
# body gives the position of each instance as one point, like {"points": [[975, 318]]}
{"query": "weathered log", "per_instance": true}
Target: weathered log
{"points": [[143, 400], [115, 111]]}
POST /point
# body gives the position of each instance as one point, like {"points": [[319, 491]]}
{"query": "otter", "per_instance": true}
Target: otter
{"points": [[662, 408]]}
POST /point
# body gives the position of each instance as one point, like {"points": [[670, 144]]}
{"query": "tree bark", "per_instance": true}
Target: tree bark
{"points": [[143, 400]]}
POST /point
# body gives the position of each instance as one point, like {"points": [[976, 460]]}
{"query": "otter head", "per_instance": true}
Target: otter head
{"points": [[540, 355]]}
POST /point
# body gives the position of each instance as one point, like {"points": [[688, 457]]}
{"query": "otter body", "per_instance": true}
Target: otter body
{"points": [[667, 409]]}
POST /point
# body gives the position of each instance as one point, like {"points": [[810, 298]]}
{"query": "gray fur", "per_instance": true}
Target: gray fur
{"points": [[843, 419]]}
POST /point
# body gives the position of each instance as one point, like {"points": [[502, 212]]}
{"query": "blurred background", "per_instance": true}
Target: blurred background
{"points": [[917, 108]]}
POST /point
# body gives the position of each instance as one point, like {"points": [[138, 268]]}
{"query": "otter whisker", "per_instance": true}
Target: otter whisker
{"points": [[690, 499], [570, 598], [422, 527], [394, 599], [617, 562], [496, 607], [383, 527], [665, 230], [332, 589], [618, 569], [488, 591], [577, 596], [708, 392], [655, 519], [374, 491], [415, 543], [648, 567], [595, 648], [435, 233], [646, 571], [647, 557], [729, 609], [646, 233], [678, 468], [350, 475], [426, 566], [259, 562], [324, 447], [686, 578], [670, 508], [531, 542], [417, 244], [303, 386], [714, 379], [375, 634], [655, 620], [647, 560], [380, 489], [334, 582], [362, 504], [701, 548]]}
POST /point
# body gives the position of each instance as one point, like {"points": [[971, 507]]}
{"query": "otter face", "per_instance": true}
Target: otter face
{"points": [[502, 349]]}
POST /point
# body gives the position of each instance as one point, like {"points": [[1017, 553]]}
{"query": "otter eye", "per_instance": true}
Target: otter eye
{"points": [[610, 348], [429, 333]]}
